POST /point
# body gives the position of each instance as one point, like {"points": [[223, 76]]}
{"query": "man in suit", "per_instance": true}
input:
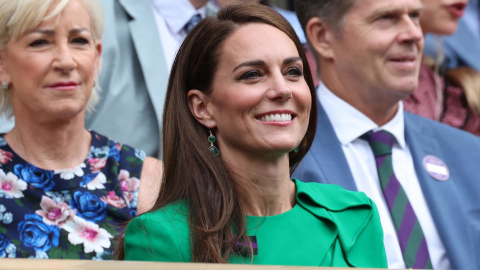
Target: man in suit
{"points": [[463, 47], [139, 44], [416, 170]]}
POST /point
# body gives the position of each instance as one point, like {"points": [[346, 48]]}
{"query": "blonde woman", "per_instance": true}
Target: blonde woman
{"points": [[63, 189], [452, 97]]}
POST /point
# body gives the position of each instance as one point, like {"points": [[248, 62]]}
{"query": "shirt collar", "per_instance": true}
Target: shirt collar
{"points": [[349, 123], [177, 13]]}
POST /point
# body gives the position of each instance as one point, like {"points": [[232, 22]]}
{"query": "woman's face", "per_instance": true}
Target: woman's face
{"points": [[441, 16], [260, 100], [52, 67]]}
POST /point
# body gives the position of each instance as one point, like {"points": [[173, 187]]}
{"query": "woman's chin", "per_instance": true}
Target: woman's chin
{"points": [[446, 28]]}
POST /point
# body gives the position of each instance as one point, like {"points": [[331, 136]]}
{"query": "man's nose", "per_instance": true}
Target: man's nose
{"points": [[411, 31]]}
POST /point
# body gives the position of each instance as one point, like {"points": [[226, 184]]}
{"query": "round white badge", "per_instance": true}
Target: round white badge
{"points": [[436, 168]]}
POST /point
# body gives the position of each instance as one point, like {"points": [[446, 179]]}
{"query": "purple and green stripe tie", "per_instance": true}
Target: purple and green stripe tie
{"points": [[410, 233]]}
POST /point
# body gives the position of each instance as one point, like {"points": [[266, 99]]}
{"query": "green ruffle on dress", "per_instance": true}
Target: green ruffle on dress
{"points": [[328, 226]]}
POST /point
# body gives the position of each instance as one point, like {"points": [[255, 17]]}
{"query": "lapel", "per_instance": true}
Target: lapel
{"points": [[466, 44], [327, 152], [442, 198], [143, 29]]}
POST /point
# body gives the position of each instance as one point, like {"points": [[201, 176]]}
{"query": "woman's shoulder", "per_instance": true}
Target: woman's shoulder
{"points": [[176, 212], [160, 235], [171, 217], [330, 197], [117, 150]]}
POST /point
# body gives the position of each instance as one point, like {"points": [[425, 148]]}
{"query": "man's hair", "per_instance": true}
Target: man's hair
{"points": [[331, 11]]}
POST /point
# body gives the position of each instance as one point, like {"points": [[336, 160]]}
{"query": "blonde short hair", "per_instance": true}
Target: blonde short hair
{"points": [[18, 16]]}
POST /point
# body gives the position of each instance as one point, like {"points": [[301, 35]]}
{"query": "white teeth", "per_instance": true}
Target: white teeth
{"points": [[276, 117]]}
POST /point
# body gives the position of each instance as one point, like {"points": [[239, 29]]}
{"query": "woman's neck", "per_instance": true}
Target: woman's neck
{"points": [[52, 145], [271, 190]]}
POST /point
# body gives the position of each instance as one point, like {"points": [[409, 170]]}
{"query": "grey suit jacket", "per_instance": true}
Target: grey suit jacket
{"points": [[454, 204], [134, 77]]}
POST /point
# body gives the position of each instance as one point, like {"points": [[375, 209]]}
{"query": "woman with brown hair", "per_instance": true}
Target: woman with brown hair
{"points": [[239, 116]]}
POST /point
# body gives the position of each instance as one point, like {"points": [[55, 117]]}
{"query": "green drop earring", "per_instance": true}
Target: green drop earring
{"points": [[212, 148]]}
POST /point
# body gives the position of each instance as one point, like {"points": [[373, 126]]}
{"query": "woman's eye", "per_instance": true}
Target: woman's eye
{"points": [[81, 41], [295, 72], [251, 75], [38, 43]]}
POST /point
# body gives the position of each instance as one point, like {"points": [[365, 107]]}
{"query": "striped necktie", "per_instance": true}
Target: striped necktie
{"points": [[410, 233], [192, 23]]}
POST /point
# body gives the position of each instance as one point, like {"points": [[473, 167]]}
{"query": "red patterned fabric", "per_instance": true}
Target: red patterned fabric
{"points": [[455, 111]]}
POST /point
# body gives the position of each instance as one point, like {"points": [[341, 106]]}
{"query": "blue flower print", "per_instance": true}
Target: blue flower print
{"points": [[140, 154], [88, 178], [2, 208], [7, 218], [12, 251], [4, 243], [34, 176], [3, 142], [104, 255], [115, 153], [101, 152], [35, 233], [89, 206], [40, 255], [90, 153]]}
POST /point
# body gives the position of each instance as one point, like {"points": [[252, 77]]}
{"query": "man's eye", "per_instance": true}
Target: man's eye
{"points": [[39, 43], [81, 41], [251, 75], [415, 15], [295, 72], [386, 17]]}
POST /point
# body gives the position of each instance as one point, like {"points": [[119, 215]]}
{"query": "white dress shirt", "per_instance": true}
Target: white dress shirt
{"points": [[349, 124], [171, 17]]}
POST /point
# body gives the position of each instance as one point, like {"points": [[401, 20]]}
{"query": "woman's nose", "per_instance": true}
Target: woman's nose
{"points": [[279, 89], [64, 61]]}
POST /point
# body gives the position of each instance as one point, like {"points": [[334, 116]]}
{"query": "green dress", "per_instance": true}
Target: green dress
{"points": [[328, 226]]}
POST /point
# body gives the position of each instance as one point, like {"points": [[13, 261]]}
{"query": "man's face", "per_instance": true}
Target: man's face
{"points": [[380, 47]]}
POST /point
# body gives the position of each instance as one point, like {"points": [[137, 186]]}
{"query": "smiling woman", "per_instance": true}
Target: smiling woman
{"points": [[63, 189], [247, 91]]}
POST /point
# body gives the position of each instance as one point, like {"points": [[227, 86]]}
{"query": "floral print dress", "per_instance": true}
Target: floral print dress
{"points": [[68, 214]]}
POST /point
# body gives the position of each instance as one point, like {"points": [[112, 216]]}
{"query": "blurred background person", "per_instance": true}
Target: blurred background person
{"points": [[450, 96], [63, 190], [462, 49], [140, 42], [248, 89]]}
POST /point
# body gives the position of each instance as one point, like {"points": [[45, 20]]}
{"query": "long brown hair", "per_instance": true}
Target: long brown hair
{"points": [[191, 173]]}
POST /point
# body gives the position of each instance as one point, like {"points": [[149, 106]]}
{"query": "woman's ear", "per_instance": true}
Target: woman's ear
{"points": [[98, 60], [320, 37], [4, 76], [198, 104]]}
